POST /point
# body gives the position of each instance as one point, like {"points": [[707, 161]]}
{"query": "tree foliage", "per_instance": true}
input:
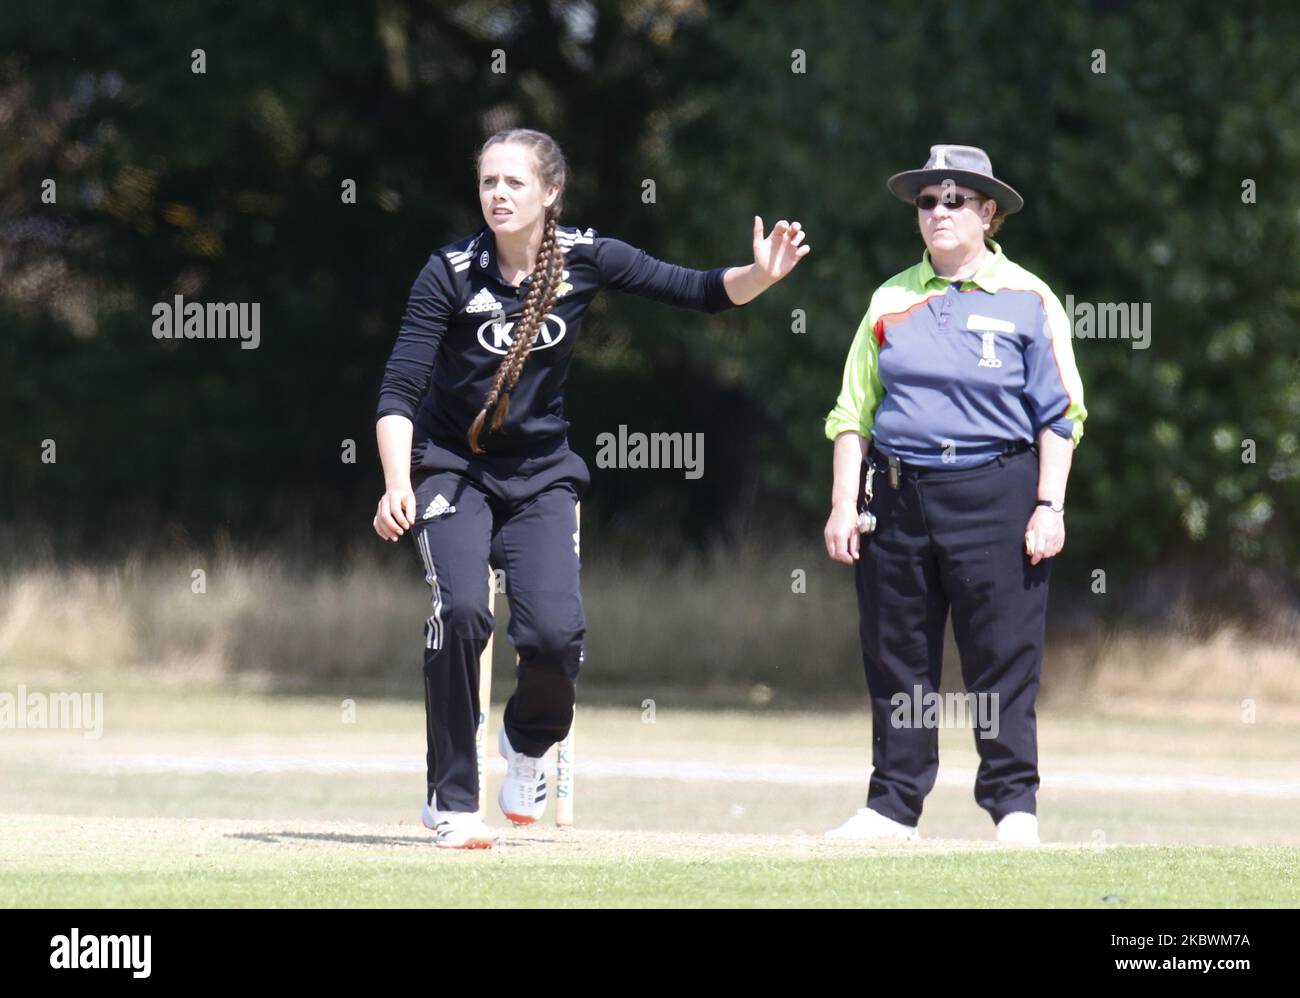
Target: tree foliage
{"points": [[225, 186]]}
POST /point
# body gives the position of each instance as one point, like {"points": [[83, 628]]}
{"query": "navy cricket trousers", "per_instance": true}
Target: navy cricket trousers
{"points": [[519, 516], [953, 540]]}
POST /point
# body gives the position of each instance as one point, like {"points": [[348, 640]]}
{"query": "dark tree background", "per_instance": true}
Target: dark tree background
{"points": [[225, 186]]}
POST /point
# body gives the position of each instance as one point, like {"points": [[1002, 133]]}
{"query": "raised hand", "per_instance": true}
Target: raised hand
{"points": [[776, 255]]}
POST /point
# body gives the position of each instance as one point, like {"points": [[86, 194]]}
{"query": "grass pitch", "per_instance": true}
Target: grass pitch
{"points": [[201, 798]]}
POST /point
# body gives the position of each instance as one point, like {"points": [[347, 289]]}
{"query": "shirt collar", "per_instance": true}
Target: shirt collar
{"points": [[984, 277], [485, 254], [485, 258]]}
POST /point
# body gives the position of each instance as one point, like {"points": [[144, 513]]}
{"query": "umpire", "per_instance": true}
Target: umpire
{"points": [[955, 425]]}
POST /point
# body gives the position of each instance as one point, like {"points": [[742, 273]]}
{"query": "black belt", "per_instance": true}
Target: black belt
{"points": [[894, 468]]}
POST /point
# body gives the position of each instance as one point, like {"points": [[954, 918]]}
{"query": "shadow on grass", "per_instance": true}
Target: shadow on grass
{"points": [[339, 838]]}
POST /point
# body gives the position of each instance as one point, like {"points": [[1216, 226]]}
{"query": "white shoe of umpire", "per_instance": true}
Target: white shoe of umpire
{"points": [[523, 791], [872, 826], [1019, 828], [457, 829]]}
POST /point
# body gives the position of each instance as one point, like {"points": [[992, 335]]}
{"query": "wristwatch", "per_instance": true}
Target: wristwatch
{"points": [[1055, 505]]}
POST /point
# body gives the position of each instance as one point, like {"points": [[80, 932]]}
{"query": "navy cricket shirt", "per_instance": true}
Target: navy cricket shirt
{"points": [[460, 316]]}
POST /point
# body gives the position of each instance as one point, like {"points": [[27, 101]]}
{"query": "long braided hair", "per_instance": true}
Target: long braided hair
{"points": [[545, 278]]}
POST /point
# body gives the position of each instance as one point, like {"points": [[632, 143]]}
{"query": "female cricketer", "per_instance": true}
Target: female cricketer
{"points": [[477, 465]]}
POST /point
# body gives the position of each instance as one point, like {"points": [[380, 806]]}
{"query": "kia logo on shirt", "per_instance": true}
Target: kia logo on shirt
{"points": [[495, 337]]}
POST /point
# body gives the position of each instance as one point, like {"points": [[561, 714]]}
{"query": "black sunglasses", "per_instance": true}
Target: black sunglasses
{"points": [[954, 200]]}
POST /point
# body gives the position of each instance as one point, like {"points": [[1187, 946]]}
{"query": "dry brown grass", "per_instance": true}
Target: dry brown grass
{"points": [[721, 625], [1231, 669]]}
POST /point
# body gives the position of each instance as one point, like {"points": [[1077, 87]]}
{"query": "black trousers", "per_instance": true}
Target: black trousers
{"points": [[952, 540], [520, 516]]}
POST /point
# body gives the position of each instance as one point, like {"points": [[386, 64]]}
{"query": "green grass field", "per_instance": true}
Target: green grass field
{"points": [[198, 797]]}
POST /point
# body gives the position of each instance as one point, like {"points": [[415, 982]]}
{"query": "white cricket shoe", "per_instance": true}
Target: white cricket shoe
{"points": [[523, 791], [457, 829], [1018, 828], [872, 826]]}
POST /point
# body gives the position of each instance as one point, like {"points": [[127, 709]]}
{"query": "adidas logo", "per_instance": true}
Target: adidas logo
{"points": [[483, 302], [438, 507]]}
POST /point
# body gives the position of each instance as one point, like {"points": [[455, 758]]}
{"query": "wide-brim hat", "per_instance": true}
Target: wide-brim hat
{"points": [[965, 165]]}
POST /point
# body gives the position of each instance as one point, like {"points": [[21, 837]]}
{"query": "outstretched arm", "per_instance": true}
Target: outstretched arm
{"points": [[774, 257], [626, 268]]}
